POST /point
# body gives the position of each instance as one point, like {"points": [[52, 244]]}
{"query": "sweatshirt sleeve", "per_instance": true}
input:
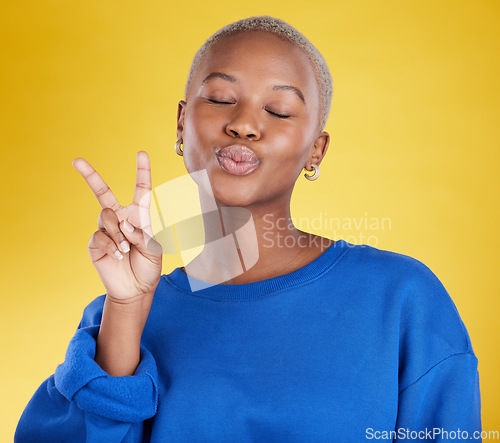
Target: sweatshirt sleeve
{"points": [[439, 395], [444, 403], [81, 402]]}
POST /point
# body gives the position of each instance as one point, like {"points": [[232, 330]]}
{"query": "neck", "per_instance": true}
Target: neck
{"points": [[246, 244]]}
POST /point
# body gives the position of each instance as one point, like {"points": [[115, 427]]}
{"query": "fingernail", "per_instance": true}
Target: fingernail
{"points": [[128, 226], [118, 255], [124, 246]]}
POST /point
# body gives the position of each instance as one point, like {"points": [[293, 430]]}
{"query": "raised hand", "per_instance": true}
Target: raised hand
{"points": [[123, 249]]}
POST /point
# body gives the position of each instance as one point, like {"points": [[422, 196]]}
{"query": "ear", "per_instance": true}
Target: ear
{"points": [[181, 110], [318, 150]]}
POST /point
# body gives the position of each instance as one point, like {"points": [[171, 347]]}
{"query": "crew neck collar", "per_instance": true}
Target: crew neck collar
{"points": [[262, 288]]}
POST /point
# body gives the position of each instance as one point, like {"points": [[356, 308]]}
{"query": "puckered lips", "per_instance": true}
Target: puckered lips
{"points": [[237, 159]]}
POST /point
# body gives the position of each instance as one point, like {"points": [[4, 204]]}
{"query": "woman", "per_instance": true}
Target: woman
{"points": [[257, 339]]}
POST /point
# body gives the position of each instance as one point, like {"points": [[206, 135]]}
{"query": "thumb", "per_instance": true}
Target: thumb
{"points": [[145, 243]]}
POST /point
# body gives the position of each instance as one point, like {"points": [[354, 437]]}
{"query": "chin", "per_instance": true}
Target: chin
{"points": [[237, 196], [231, 190]]}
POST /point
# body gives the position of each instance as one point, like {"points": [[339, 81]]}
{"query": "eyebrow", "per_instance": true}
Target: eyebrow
{"points": [[231, 79], [221, 75], [290, 88]]}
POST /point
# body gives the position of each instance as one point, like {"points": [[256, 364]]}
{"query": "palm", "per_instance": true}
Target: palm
{"points": [[140, 270]]}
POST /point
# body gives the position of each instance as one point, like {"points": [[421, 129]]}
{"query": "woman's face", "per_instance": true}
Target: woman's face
{"points": [[251, 119]]}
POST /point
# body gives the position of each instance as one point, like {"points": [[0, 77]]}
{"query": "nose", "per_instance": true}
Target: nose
{"points": [[244, 124]]}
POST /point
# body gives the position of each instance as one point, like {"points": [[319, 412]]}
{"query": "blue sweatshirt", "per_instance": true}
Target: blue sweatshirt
{"points": [[360, 344]]}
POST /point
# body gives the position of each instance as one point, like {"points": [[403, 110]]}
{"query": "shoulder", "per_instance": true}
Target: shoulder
{"points": [[414, 281], [430, 327], [401, 274], [425, 306], [389, 262]]}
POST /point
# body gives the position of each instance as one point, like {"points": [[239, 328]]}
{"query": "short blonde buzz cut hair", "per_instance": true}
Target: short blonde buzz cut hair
{"points": [[284, 30]]}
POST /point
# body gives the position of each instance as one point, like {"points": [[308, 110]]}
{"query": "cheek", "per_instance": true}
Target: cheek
{"points": [[201, 123], [290, 146], [199, 128]]}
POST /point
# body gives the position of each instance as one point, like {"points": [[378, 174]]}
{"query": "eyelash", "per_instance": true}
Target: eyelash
{"points": [[218, 102], [231, 103], [278, 115]]}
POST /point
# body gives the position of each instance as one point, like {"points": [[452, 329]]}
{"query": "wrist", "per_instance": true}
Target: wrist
{"points": [[135, 302], [119, 339], [129, 316]]}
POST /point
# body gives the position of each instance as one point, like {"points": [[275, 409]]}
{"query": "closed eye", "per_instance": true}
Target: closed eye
{"points": [[211, 100], [278, 115], [222, 102]]}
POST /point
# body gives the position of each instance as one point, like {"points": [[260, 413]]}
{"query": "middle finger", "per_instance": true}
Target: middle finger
{"points": [[108, 222]]}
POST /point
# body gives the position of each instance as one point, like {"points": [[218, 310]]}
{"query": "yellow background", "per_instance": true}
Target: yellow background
{"points": [[415, 138]]}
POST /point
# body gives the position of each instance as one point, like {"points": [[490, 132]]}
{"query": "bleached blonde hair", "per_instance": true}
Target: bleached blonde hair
{"points": [[284, 30]]}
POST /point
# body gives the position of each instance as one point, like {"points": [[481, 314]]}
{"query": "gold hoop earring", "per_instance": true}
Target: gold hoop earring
{"points": [[178, 148], [315, 175]]}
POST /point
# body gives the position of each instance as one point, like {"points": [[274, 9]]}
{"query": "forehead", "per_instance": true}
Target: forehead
{"points": [[260, 57]]}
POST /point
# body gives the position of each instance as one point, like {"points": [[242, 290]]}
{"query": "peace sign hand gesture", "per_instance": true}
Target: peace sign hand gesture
{"points": [[123, 249]]}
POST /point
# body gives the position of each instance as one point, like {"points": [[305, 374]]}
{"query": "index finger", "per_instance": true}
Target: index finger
{"points": [[99, 187], [142, 194]]}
